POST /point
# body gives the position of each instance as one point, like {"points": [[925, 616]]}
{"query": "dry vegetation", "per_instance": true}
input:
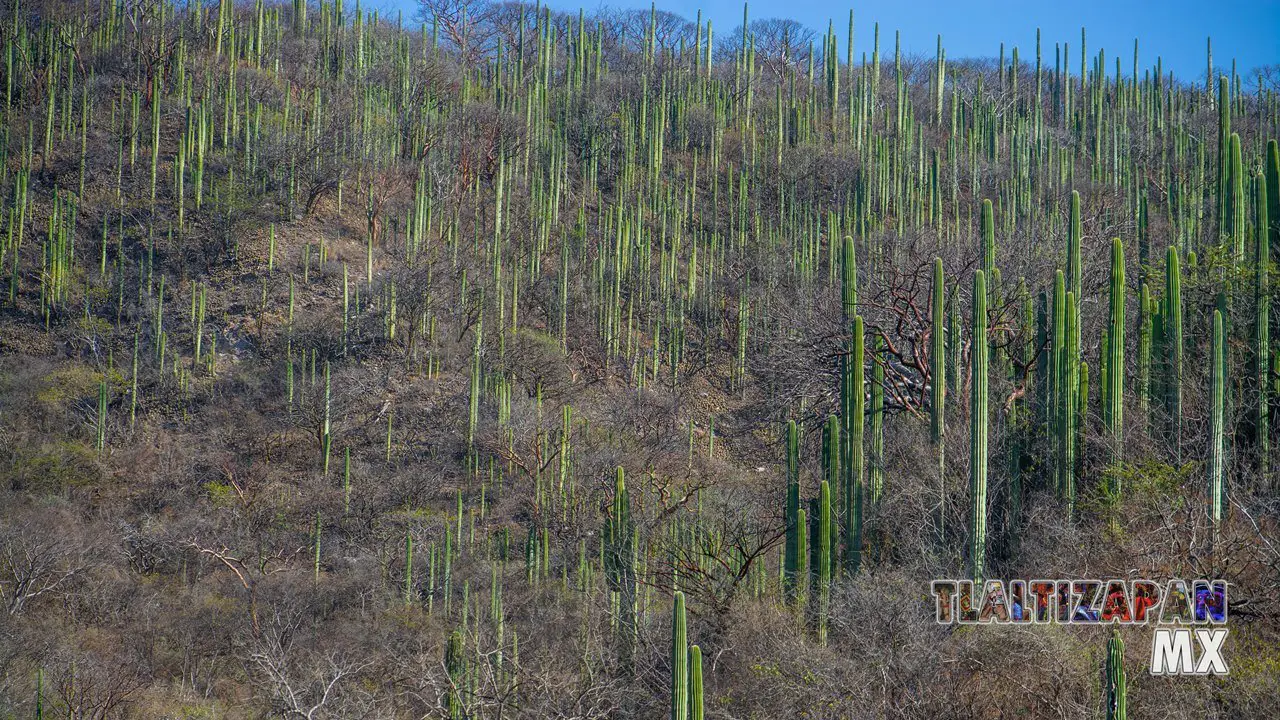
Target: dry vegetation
{"points": [[323, 337]]}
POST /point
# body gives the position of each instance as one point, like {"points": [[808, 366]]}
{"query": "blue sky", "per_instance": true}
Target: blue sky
{"points": [[1175, 30]]}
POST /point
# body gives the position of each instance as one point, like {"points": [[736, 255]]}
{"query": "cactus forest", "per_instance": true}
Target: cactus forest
{"points": [[495, 361]]}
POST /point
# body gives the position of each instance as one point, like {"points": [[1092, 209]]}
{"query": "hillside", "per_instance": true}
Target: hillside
{"points": [[351, 368]]}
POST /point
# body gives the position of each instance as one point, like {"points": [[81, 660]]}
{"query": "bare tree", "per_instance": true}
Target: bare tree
{"points": [[633, 28], [508, 19], [38, 559], [468, 26], [95, 686], [301, 682], [779, 44]]}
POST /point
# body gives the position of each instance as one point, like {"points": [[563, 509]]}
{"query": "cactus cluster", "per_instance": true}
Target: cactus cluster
{"points": [[488, 271]]}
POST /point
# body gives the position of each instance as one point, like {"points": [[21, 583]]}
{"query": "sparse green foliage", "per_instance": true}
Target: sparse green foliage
{"points": [[498, 252]]}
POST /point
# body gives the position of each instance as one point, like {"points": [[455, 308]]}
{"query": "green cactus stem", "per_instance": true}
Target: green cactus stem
{"points": [[978, 421]]}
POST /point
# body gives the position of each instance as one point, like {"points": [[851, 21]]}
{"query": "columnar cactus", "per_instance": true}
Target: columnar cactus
{"points": [[679, 660], [1146, 311], [1224, 152], [1075, 271], [1217, 439], [1262, 327], [1144, 233], [696, 711], [876, 471], [1116, 697], [1041, 349], [1055, 381], [326, 436], [791, 560], [620, 569], [831, 474], [978, 420], [988, 239], [955, 341], [1068, 414], [820, 562], [849, 276], [854, 397], [477, 385], [1173, 349], [1022, 410], [802, 554], [1082, 413], [456, 667], [102, 416], [1113, 413], [315, 534], [1275, 380], [1235, 202], [566, 449], [938, 390], [1273, 192], [831, 451]]}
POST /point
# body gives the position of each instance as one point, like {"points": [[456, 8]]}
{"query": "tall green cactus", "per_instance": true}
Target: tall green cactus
{"points": [[849, 277], [1173, 349], [1217, 420], [696, 710], [39, 709], [1275, 386], [1272, 170], [854, 400], [802, 554], [1116, 683], [1262, 325], [1075, 269], [1224, 153], [1082, 414], [978, 421], [1113, 413], [1146, 312], [938, 390], [831, 451], [102, 416], [988, 238], [1021, 415], [1236, 204], [876, 473], [1041, 349], [455, 666], [1057, 358], [791, 560], [326, 436], [315, 534], [831, 474], [955, 341], [820, 562], [1068, 415], [1144, 234], [679, 660], [620, 570]]}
